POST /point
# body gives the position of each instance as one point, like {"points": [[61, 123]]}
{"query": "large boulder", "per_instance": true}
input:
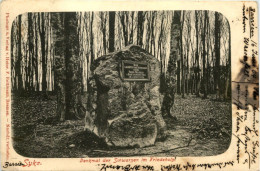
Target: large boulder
{"points": [[125, 112]]}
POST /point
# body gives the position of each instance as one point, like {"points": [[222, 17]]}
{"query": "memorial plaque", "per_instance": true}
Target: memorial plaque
{"points": [[135, 71]]}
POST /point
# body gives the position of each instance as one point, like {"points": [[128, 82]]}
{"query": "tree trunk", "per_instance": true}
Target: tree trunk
{"points": [[153, 14], [44, 62], [72, 63], [67, 66], [122, 20], [197, 69], [31, 52], [227, 90], [111, 31], [140, 28], [182, 57], [60, 69], [217, 54], [19, 59], [103, 30], [91, 38], [36, 53], [147, 41], [187, 64], [170, 86], [178, 77], [131, 36], [204, 55], [208, 65], [160, 44]]}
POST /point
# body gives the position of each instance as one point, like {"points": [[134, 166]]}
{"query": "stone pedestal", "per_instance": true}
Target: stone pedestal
{"points": [[124, 104]]}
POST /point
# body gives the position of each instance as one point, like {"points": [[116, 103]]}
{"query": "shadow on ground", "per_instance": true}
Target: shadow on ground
{"points": [[203, 128]]}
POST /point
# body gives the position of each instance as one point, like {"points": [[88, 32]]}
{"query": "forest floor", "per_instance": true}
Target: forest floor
{"points": [[203, 128]]}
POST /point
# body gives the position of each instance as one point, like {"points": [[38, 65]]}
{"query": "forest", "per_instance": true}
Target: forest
{"points": [[200, 67], [52, 53], [204, 46]]}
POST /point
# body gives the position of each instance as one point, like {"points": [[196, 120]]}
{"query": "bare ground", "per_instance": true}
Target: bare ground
{"points": [[203, 128]]}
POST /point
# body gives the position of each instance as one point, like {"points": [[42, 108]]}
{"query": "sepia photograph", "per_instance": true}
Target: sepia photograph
{"points": [[121, 84], [129, 85]]}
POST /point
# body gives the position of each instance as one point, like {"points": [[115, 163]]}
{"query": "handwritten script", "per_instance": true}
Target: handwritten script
{"points": [[246, 94]]}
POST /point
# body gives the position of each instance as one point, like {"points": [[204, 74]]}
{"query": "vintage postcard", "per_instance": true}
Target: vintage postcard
{"points": [[129, 85]]}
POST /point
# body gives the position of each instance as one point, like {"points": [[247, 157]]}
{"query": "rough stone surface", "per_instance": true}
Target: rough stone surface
{"points": [[125, 113]]}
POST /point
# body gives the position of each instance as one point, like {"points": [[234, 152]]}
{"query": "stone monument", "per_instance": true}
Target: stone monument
{"points": [[124, 105]]}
